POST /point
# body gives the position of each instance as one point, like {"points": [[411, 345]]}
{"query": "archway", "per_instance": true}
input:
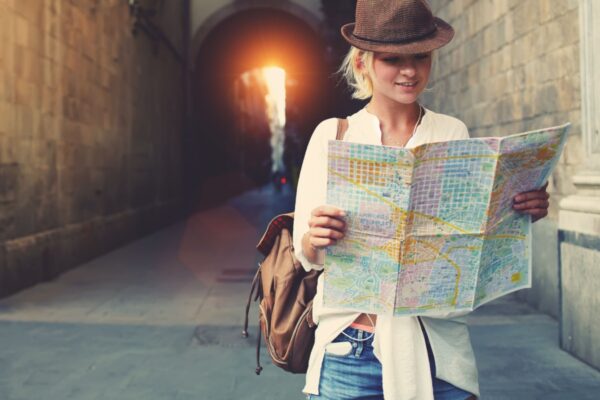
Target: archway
{"points": [[245, 40]]}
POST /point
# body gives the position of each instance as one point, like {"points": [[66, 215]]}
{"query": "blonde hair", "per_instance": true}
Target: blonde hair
{"points": [[358, 79]]}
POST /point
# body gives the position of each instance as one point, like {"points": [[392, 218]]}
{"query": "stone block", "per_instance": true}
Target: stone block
{"points": [[525, 17], [8, 28], [3, 262], [48, 47], [530, 74], [27, 262], [562, 177], [50, 76], [574, 117], [7, 149], [32, 10], [574, 151], [498, 34], [543, 69], [553, 35], [27, 65], [7, 117], [9, 182], [504, 109], [546, 9], [500, 7], [509, 30], [569, 92], [519, 50], [527, 103], [21, 27], [568, 60], [24, 121], [551, 9], [513, 3], [544, 292], [24, 93], [518, 105], [569, 27], [546, 99], [580, 278]]}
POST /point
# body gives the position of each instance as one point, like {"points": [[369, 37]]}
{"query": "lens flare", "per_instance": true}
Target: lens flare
{"points": [[274, 78]]}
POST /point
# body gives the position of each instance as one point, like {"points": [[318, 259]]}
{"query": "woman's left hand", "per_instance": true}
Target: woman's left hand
{"points": [[534, 203]]}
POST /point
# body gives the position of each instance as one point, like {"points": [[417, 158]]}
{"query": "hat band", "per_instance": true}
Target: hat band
{"points": [[400, 41]]}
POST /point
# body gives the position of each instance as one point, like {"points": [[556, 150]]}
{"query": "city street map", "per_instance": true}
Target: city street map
{"points": [[432, 230]]}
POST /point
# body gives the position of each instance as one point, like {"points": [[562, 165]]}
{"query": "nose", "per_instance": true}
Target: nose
{"points": [[407, 68]]}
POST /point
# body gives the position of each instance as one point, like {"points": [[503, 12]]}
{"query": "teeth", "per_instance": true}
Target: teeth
{"points": [[407, 84]]}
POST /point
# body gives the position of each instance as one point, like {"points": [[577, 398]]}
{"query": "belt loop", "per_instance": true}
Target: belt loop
{"points": [[360, 343]]}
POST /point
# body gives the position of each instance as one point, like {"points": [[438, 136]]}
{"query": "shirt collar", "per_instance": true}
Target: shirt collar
{"points": [[365, 127]]}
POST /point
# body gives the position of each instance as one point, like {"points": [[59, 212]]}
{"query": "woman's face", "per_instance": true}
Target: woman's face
{"points": [[400, 77]]}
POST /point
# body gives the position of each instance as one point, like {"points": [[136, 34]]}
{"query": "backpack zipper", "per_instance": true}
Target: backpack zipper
{"points": [[271, 349], [274, 355]]}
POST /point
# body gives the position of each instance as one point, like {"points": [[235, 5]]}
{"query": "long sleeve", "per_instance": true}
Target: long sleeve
{"points": [[312, 187]]}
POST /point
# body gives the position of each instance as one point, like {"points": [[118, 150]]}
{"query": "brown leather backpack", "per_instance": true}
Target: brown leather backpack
{"points": [[286, 293]]}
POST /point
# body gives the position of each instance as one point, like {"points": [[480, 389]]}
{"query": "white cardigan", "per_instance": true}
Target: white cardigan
{"points": [[399, 343]]}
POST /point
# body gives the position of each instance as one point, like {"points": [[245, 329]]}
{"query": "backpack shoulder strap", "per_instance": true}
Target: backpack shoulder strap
{"points": [[273, 229], [342, 128]]}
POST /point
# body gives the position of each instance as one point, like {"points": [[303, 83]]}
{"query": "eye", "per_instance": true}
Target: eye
{"points": [[391, 60], [423, 56]]}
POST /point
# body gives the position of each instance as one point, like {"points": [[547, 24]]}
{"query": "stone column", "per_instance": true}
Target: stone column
{"points": [[579, 216]]}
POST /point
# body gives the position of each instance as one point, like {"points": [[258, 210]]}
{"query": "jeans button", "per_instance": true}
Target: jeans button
{"points": [[354, 345]]}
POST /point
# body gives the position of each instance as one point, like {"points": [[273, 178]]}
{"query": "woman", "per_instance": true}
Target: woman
{"points": [[362, 356]]}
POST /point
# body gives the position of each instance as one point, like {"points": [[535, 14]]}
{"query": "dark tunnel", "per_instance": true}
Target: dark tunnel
{"points": [[222, 160]]}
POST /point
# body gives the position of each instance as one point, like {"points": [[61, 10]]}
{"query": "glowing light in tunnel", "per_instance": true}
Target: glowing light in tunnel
{"points": [[274, 78]]}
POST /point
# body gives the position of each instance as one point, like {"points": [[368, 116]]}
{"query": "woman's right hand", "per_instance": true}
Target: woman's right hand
{"points": [[326, 227]]}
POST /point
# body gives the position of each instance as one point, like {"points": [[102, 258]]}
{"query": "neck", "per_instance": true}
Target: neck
{"points": [[393, 115]]}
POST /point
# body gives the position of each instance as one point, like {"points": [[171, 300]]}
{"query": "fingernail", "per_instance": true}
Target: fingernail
{"points": [[518, 198]]}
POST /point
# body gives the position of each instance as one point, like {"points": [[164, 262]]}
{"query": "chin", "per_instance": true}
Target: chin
{"points": [[405, 99]]}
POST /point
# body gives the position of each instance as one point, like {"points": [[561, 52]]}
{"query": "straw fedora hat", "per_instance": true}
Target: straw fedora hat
{"points": [[397, 26]]}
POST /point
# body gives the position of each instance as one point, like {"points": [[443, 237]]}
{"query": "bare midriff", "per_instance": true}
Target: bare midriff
{"points": [[363, 322]]}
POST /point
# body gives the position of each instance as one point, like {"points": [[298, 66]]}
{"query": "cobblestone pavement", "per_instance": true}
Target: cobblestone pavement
{"points": [[160, 319]]}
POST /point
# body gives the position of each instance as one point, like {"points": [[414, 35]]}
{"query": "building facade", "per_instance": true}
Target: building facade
{"points": [[520, 65], [90, 133]]}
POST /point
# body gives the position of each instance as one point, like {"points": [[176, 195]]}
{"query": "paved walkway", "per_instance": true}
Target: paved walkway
{"points": [[160, 319]]}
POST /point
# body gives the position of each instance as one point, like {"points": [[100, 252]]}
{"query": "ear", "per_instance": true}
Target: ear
{"points": [[358, 62]]}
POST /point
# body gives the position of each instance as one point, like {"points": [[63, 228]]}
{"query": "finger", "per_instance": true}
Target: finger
{"points": [[537, 213], [535, 194], [328, 211], [535, 218], [532, 204], [326, 233], [321, 242], [327, 222]]}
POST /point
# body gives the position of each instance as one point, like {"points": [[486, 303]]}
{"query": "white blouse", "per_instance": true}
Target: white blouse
{"points": [[398, 343]]}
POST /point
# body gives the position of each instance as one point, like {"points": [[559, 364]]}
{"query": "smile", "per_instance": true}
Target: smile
{"points": [[407, 84]]}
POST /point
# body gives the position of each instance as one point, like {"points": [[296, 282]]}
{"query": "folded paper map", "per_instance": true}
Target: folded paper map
{"points": [[431, 229]]}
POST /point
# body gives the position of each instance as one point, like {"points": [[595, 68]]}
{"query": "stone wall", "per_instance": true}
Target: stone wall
{"points": [[90, 133], [514, 65]]}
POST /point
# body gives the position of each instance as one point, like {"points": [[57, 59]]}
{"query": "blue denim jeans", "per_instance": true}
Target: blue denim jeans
{"points": [[357, 375]]}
